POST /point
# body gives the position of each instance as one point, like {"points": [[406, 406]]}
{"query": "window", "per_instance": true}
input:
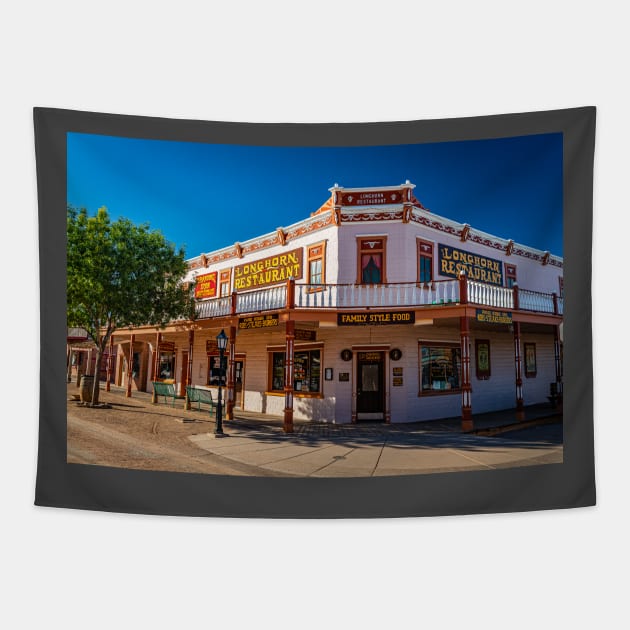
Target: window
{"points": [[166, 366], [224, 282], [440, 368], [561, 286], [425, 261], [530, 360], [482, 355], [316, 264], [510, 275], [217, 373], [371, 262], [306, 371]]}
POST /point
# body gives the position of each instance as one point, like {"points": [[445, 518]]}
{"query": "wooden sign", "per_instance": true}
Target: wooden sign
{"points": [[212, 346], [206, 286], [453, 261], [268, 271], [344, 377], [258, 321], [372, 198], [493, 317], [397, 381], [167, 346], [302, 334], [397, 371], [374, 318]]}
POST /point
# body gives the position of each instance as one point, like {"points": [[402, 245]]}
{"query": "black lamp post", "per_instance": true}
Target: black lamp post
{"points": [[222, 340]]}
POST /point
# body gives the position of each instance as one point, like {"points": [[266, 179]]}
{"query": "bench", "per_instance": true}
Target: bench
{"points": [[165, 389], [200, 396]]}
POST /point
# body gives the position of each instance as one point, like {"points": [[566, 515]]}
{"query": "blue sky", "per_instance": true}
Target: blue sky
{"points": [[207, 196]]}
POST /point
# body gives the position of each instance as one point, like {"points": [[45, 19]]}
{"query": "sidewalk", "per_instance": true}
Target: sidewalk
{"points": [[364, 450], [257, 445]]}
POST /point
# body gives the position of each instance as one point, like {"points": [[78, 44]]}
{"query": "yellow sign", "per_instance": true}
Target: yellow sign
{"points": [[257, 321], [453, 261], [372, 318], [493, 317], [267, 271]]}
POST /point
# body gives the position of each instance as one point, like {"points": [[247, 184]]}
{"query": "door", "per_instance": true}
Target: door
{"points": [[239, 373], [183, 381], [370, 386]]}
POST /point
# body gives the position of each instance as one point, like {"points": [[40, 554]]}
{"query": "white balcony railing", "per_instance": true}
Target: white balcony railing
{"points": [[216, 307], [490, 295], [397, 295], [269, 299], [375, 295]]}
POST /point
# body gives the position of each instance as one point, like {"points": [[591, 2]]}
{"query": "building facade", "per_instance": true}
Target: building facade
{"points": [[371, 308]]}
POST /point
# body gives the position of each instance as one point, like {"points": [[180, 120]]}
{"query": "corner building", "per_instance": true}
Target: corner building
{"points": [[371, 309]]}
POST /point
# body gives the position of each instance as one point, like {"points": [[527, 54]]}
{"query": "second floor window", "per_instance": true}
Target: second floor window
{"points": [[510, 275], [316, 264], [224, 282], [425, 261], [371, 261]]}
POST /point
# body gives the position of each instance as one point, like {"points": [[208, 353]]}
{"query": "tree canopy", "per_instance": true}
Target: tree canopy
{"points": [[121, 275]]}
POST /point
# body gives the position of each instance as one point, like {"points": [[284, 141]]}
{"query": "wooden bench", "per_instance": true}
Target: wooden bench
{"points": [[198, 395], [164, 389]]}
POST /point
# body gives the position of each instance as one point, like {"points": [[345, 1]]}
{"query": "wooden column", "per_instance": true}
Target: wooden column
{"points": [[154, 365], [79, 366], [518, 367], [231, 375], [558, 361], [110, 353], [69, 364], [288, 377], [464, 334], [130, 366], [191, 341]]}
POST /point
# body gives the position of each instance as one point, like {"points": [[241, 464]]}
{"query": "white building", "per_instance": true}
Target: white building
{"points": [[372, 308]]}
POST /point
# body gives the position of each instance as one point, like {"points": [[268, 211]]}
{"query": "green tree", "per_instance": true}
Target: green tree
{"points": [[121, 275]]}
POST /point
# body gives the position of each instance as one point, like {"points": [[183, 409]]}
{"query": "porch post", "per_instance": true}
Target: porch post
{"points": [[464, 334], [518, 365], [288, 377], [558, 360], [79, 366], [130, 366], [108, 379], [155, 364], [231, 375], [69, 364], [191, 340]]}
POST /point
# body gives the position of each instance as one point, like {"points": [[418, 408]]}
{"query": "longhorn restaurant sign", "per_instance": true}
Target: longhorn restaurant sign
{"points": [[267, 271], [453, 261]]}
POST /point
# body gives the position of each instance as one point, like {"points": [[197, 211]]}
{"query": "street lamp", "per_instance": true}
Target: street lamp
{"points": [[222, 340]]}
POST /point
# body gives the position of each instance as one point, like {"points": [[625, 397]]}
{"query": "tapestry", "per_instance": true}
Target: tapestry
{"points": [[327, 320]]}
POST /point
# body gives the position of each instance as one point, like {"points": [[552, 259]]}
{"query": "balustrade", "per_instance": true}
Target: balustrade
{"points": [[404, 294]]}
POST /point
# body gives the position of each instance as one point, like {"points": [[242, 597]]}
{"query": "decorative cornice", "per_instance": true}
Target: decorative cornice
{"points": [[238, 250], [350, 217], [329, 214]]}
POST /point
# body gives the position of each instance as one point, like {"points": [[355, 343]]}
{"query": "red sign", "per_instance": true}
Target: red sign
{"points": [[206, 286], [371, 198]]}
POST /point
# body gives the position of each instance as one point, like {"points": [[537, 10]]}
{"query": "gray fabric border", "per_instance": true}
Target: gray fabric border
{"points": [[571, 484]]}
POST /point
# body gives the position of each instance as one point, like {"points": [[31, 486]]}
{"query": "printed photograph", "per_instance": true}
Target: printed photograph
{"points": [[315, 311]]}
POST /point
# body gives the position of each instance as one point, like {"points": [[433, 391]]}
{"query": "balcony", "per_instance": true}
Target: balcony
{"points": [[393, 295]]}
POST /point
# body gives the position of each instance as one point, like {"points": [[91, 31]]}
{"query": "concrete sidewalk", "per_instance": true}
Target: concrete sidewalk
{"points": [[258, 442], [365, 450]]}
